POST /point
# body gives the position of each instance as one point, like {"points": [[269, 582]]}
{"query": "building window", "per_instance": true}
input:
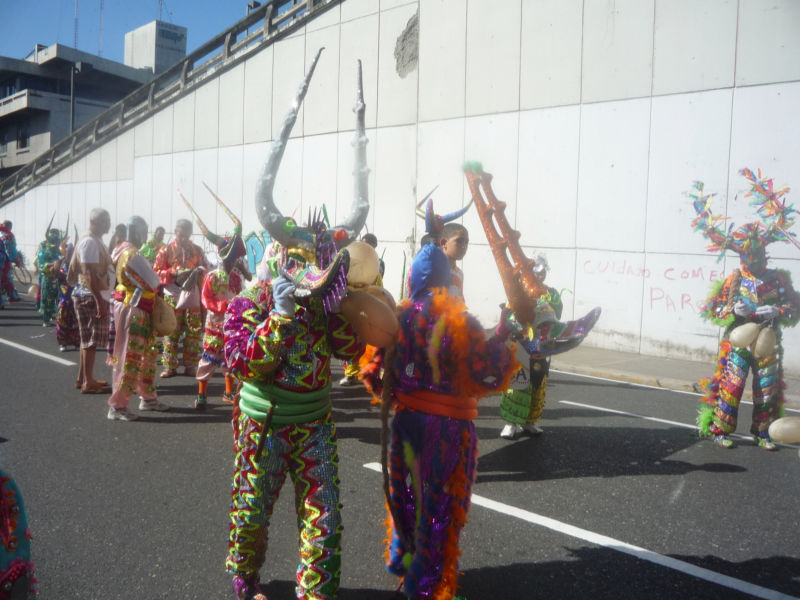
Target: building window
{"points": [[23, 135], [3, 142]]}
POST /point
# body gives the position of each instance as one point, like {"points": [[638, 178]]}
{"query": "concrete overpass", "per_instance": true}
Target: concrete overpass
{"points": [[595, 118]]}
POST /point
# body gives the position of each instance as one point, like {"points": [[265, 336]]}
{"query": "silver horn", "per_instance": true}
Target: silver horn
{"points": [[358, 212], [268, 214]]}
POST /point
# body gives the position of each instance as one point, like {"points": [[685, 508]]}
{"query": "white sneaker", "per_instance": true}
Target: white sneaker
{"points": [[348, 380], [145, 405], [533, 429], [511, 431], [122, 414]]}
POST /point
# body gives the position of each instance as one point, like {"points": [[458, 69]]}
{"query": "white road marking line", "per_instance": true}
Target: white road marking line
{"points": [[612, 544], [650, 387], [60, 361], [657, 420]]}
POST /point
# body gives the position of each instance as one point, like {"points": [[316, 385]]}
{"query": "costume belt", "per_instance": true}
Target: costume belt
{"points": [[129, 293], [443, 405]]}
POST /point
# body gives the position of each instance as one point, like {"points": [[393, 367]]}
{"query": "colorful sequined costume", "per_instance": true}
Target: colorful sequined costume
{"points": [[219, 287], [46, 262], [285, 365], [279, 338], [442, 365], [67, 333], [523, 403], [8, 256], [173, 260], [753, 304], [17, 578], [135, 350]]}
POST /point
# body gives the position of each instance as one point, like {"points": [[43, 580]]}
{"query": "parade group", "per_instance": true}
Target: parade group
{"points": [[317, 295]]}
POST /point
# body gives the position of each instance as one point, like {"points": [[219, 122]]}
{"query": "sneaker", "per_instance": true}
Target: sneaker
{"points": [[511, 431], [723, 441], [121, 414], [62, 348], [532, 429], [228, 398], [765, 443], [145, 405], [200, 402], [167, 373], [348, 380]]}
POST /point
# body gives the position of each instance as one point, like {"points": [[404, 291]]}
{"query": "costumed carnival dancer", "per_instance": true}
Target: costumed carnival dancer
{"points": [[441, 365], [521, 406], [279, 339], [181, 266], [17, 574], [753, 303], [8, 257], [46, 262], [532, 312], [135, 350], [67, 333], [219, 287]]}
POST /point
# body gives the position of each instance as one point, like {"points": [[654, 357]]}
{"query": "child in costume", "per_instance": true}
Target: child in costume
{"points": [[279, 340], [441, 366], [219, 287], [521, 406], [67, 333], [753, 304], [47, 263], [135, 351]]}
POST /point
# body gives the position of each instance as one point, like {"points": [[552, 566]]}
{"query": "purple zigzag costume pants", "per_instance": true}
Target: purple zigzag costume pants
{"points": [[432, 468], [308, 453]]}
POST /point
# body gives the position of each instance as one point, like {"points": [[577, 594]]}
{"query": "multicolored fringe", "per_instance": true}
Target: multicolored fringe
{"points": [[438, 456], [139, 357], [309, 454], [190, 322], [67, 333]]}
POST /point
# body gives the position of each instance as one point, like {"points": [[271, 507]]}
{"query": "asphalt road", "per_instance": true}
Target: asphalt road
{"points": [[617, 499]]}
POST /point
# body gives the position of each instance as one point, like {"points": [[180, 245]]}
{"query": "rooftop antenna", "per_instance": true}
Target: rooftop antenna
{"points": [[100, 32], [75, 28]]}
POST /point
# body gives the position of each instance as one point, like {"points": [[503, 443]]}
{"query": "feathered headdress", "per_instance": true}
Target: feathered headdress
{"points": [[776, 218]]}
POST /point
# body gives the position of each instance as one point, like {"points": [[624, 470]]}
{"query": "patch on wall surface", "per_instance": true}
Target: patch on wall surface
{"points": [[406, 50]]}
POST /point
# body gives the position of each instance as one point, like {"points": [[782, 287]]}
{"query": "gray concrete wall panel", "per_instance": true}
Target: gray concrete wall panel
{"points": [[231, 106], [258, 78], [206, 116], [442, 59], [359, 40]]}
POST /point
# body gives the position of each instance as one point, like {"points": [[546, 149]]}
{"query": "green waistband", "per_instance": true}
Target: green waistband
{"points": [[289, 407]]}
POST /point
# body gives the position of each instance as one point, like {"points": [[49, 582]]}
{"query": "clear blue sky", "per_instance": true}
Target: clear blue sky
{"points": [[24, 23]]}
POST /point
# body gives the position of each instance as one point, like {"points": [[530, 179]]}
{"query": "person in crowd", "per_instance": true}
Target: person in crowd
{"points": [[135, 350], [181, 266], [150, 249], [89, 272]]}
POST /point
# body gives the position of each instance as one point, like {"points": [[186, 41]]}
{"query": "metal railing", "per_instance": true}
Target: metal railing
{"points": [[262, 27]]}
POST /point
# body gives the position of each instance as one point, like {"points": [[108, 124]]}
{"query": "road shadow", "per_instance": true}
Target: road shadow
{"points": [[601, 573], [593, 452]]}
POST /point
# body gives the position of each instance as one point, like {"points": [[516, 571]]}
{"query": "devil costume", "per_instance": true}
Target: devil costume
{"points": [[17, 578], [441, 365], [279, 338], [8, 256], [219, 287], [47, 262], [753, 303]]}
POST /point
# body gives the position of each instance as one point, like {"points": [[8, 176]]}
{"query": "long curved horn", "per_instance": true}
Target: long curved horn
{"points": [[268, 214], [49, 225], [212, 237], [355, 222], [456, 213], [237, 224], [66, 231]]}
